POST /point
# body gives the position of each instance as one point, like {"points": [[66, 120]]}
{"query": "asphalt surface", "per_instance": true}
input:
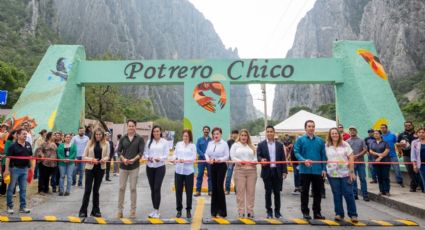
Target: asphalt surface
{"points": [[69, 206]]}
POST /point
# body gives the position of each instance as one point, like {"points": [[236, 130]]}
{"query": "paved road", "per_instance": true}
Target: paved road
{"points": [[65, 206]]}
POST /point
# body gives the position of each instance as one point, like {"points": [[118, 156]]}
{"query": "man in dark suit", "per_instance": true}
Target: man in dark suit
{"points": [[273, 174]]}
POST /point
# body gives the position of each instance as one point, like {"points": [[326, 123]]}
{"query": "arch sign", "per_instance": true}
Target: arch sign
{"points": [[54, 97]]}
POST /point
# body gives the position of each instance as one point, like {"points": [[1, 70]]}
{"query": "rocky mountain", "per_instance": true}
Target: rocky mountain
{"points": [[148, 29], [397, 28], [135, 29]]}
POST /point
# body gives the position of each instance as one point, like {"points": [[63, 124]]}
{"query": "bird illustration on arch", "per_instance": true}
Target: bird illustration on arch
{"points": [[374, 62], [207, 102]]}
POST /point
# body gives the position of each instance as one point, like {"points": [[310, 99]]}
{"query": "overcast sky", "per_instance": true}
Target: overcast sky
{"points": [[258, 28]]}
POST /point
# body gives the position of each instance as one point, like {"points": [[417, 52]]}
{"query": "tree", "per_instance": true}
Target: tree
{"points": [[12, 80], [296, 109], [327, 110]]}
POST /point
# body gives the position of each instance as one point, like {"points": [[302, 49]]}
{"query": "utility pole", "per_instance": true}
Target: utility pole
{"points": [[263, 90]]}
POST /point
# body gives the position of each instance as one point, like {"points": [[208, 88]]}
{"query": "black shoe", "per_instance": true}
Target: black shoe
{"points": [[277, 215], [366, 198], [108, 179], [73, 184], [60, 193], [356, 197], [319, 216], [82, 215], [412, 190], [269, 215], [401, 185], [323, 196], [66, 194], [188, 215], [179, 214], [96, 214], [306, 217], [54, 190], [373, 182]]}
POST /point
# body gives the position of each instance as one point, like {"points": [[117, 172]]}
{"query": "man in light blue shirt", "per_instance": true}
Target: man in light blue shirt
{"points": [[80, 141], [391, 139], [201, 146]]}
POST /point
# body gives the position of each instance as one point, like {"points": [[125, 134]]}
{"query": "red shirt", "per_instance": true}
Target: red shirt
{"points": [[345, 136]]}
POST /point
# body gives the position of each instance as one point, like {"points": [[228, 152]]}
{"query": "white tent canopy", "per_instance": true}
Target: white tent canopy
{"points": [[295, 123]]}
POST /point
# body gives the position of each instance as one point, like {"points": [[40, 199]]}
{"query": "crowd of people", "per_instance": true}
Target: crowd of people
{"points": [[338, 159]]}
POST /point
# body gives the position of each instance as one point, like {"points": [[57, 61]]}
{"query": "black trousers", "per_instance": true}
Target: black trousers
{"points": [[45, 173], [218, 198], [155, 178], [108, 169], [54, 181], [185, 181], [3, 185], [415, 178], [317, 182], [93, 181], [273, 184]]}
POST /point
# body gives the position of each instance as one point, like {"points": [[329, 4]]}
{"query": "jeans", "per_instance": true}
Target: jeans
{"points": [[180, 182], [342, 187], [155, 178], [200, 177], [415, 178], [55, 178], [360, 171], [93, 181], [396, 168], [79, 168], [297, 181], [229, 174], [66, 170], [36, 171], [383, 173], [19, 176], [372, 169]]}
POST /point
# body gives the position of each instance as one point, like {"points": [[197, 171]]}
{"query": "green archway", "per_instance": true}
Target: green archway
{"points": [[54, 96]]}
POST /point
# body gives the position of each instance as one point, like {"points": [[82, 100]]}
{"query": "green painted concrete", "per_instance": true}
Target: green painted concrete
{"points": [[362, 97]]}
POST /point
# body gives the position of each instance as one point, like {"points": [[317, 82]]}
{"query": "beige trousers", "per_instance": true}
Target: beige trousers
{"points": [[124, 175], [245, 180]]}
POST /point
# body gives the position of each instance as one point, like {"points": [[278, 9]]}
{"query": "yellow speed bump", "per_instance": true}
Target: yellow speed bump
{"points": [[100, 220], [299, 221], [26, 218], [330, 222], [408, 222], [221, 221], [74, 219], [180, 221], [359, 223], [50, 218], [155, 221], [126, 221], [383, 223], [246, 221], [273, 221], [4, 219]]}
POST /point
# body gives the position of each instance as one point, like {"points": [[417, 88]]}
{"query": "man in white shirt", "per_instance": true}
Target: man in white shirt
{"points": [[80, 141]]}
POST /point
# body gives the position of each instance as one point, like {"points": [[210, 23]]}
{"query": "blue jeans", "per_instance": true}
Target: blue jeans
{"points": [[360, 171], [36, 171], [383, 172], [297, 182], [66, 170], [341, 187], [200, 176], [19, 176], [396, 168], [79, 168], [229, 174]]}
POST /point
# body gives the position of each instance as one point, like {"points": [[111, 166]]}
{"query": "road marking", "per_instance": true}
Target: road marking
{"points": [[360, 224], [50, 218], [4, 219], [199, 211], [246, 221], [407, 222]]}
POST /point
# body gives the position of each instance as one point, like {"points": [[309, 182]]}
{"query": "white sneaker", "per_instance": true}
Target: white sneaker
{"points": [[152, 214], [10, 211], [157, 215], [24, 210]]}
